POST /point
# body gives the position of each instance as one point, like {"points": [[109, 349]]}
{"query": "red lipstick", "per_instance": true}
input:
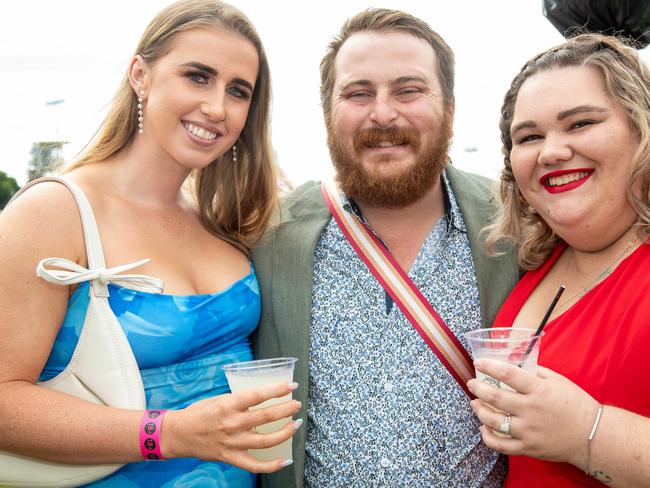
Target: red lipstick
{"points": [[545, 180]]}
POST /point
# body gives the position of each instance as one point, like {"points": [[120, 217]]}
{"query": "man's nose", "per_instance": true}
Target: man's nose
{"points": [[384, 112]]}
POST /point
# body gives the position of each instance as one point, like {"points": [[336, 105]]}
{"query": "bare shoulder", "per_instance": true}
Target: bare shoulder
{"points": [[44, 220]]}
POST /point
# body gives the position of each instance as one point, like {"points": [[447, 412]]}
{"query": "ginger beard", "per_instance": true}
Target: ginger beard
{"points": [[393, 190]]}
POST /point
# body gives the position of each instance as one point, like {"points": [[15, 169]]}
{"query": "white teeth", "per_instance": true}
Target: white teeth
{"points": [[200, 132], [568, 178], [386, 144]]}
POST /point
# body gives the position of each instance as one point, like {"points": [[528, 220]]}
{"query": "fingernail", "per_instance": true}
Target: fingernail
{"points": [[297, 423], [478, 363], [299, 403], [470, 385], [293, 385], [286, 462]]}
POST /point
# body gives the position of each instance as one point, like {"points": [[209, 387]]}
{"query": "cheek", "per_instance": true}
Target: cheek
{"points": [[523, 162], [236, 120], [345, 121]]}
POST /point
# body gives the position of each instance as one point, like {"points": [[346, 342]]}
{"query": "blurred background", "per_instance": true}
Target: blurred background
{"points": [[62, 60]]}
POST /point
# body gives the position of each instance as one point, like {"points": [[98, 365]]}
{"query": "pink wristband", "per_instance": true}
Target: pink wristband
{"points": [[150, 435]]}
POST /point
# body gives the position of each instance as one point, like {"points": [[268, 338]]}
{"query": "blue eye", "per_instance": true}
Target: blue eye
{"points": [[238, 92], [198, 77]]}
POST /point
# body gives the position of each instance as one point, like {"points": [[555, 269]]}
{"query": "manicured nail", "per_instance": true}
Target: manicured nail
{"points": [[297, 423], [293, 385], [286, 462]]}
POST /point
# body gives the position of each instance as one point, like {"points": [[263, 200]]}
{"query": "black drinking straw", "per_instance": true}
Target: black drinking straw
{"points": [[548, 313]]}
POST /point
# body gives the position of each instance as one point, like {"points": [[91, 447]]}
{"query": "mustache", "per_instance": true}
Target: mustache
{"points": [[397, 135]]}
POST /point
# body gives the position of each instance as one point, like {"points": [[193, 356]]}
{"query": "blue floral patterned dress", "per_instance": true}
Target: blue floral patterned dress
{"points": [[180, 343]]}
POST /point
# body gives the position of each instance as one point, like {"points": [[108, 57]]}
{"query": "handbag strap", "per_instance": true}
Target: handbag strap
{"points": [[402, 290], [97, 273]]}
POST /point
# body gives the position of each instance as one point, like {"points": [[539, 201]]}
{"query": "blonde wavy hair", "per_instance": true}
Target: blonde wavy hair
{"points": [[627, 81], [235, 201]]}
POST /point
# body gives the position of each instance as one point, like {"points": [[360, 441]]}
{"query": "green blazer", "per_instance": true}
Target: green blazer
{"points": [[284, 266]]}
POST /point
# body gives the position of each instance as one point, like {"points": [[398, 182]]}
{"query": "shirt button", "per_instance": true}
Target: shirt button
{"points": [[385, 462], [388, 386]]}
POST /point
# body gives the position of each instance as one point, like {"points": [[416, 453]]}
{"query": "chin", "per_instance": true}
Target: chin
{"points": [[387, 169]]}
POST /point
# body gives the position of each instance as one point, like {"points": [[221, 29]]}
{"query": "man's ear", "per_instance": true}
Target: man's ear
{"points": [[138, 75]]}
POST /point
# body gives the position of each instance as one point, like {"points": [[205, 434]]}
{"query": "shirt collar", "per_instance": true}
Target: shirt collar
{"points": [[453, 215]]}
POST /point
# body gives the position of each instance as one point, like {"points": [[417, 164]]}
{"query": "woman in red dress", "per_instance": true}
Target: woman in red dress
{"points": [[575, 127]]}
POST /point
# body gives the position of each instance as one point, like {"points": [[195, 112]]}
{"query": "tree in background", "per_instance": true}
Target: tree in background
{"points": [[8, 187]]}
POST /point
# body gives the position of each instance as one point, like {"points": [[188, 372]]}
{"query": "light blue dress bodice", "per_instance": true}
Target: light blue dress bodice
{"points": [[180, 344]]}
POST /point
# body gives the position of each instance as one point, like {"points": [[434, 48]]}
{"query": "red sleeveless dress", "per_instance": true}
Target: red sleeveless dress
{"points": [[602, 343]]}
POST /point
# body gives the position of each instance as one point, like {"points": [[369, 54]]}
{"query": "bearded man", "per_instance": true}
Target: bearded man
{"points": [[381, 408]]}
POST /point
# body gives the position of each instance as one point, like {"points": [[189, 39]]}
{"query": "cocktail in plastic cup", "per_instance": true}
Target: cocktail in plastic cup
{"points": [[252, 374], [518, 346]]}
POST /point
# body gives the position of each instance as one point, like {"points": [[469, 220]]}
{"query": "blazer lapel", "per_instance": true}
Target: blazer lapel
{"points": [[495, 275]]}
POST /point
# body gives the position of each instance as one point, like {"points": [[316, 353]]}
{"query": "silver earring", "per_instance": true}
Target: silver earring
{"points": [[234, 153], [140, 113]]}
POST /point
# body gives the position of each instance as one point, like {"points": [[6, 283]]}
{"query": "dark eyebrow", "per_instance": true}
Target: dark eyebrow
{"points": [[579, 109], [529, 124], [214, 72], [201, 66], [244, 83]]}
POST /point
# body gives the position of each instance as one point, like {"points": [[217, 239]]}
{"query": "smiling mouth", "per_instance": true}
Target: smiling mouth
{"points": [[385, 144], [200, 132], [565, 179]]}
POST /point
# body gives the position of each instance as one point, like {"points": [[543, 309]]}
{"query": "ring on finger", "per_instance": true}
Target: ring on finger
{"points": [[505, 425]]}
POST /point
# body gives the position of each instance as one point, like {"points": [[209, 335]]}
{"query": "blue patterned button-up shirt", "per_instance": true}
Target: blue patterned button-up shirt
{"points": [[383, 410]]}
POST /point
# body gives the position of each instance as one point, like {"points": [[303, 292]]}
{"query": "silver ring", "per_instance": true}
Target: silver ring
{"points": [[505, 425]]}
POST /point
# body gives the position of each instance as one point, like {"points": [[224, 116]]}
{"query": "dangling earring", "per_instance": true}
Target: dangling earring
{"points": [[140, 113], [234, 153]]}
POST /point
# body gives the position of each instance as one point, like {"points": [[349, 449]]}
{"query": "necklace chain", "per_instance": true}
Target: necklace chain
{"points": [[601, 276]]}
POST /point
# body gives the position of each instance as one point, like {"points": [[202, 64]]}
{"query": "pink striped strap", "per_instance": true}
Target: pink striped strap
{"points": [[402, 290]]}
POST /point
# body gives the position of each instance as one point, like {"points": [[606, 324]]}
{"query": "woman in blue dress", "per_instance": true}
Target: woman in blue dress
{"points": [[180, 172]]}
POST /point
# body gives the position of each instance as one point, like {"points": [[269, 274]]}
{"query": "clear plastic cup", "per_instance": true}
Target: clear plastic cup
{"points": [[518, 346], [252, 374]]}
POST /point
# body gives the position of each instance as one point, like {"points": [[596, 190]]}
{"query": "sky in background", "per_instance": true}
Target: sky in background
{"points": [[78, 51]]}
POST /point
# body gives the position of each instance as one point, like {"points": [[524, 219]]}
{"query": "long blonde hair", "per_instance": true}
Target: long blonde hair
{"points": [[235, 201], [627, 81]]}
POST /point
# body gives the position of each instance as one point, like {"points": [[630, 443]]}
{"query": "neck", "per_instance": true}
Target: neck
{"points": [[404, 229], [147, 176], [585, 262]]}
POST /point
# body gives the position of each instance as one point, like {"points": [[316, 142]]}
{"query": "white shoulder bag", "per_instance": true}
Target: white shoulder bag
{"points": [[103, 369]]}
